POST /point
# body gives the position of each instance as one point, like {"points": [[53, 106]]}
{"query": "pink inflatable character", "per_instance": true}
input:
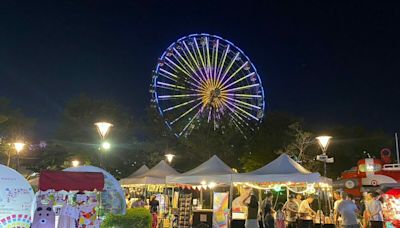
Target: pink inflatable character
{"points": [[44, 216]]}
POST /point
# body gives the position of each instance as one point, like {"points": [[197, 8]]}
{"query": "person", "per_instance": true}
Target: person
{"points": [[306, 212], [364, 212], [280, 216], [267, 211], [291, 208], [139, 202], [374, 208], [154, 204], [252, 210], [299, 199], [338, 199], [348, 210]]}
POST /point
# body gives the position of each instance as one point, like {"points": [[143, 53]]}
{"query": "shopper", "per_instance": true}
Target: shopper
{"points": [[374, 208], [291, 209], [268, 211], [280, 217], [338, 199], [252, 210], [154, 206], [348, 211], [139, 202]]}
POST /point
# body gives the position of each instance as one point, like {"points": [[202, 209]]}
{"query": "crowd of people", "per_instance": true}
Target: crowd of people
{"points": [[298, 212]]}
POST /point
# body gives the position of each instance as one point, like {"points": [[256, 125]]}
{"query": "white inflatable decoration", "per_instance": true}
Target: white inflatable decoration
{"points": [[16, 196], [113, 197]]}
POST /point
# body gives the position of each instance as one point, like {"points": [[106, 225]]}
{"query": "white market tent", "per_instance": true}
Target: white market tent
{"points": [[213, 170], [155, 175], [137, 173], [282, 169]]}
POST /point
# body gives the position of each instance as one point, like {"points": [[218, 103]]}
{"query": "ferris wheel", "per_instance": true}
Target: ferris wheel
{"points": [[205, 79]]}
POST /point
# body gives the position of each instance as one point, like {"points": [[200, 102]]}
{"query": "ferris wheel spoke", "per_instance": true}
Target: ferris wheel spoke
{"points": [[201, 58], [179, 95], [215, 61], [233, 75], [193, 63], [238, 115], [228, 68], [194, 59], [242, 88], [185, 113], [236, 125], [182, 88], [238, 95], [190, 122], [190, 67], [167, 77], [242, 102], [239, 80], [222, 63], [208, 58], [244, 111], [181, 105]]}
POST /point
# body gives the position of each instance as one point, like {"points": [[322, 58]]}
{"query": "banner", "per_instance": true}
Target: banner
{"points": [[16, 197], [220, 210]]}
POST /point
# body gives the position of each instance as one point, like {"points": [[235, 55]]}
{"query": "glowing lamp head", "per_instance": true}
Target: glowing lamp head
{"points": [[103, 128], [203, 182], [19, 146], [169, 157], [75, 163], [323, 141], [106, 145], [212, 185]]}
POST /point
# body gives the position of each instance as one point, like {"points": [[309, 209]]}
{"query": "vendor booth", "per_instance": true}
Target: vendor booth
{"points": [[282, 174], [16, 196], [209, 175], [150, 182], [68, 200]]}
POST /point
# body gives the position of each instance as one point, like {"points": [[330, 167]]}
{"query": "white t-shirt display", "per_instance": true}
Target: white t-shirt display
{"points": [[347, 209]]}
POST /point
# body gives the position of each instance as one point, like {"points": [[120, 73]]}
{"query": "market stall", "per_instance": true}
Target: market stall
{"points": [[209, 175], [285, 173], [112, 197], [16, 196], [391, 204], [131, 178], [68, 200]]}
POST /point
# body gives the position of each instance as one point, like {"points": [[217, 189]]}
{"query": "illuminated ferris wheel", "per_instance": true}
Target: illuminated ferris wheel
{"points": [[204, 78]]}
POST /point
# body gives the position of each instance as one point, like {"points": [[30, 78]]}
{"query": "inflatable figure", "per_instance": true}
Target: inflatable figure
{"points": [[44, 216]]}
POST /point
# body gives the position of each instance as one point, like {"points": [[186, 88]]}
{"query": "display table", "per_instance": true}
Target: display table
{"points": [[202, 216], [238, 223]]}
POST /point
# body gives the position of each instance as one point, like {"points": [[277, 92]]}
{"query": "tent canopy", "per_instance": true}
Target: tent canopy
{"points": [[213, 170], [155, 175], [137, 173], [71, 181], [282, 169]]}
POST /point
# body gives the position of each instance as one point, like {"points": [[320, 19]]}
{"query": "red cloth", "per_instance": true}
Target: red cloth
{"points": [[71, 181]]}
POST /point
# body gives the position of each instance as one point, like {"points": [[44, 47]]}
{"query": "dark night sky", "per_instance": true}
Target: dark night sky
{"points": [[331, 62]]}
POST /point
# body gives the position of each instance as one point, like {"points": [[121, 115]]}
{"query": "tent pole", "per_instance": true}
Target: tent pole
{"points": [[230, 204]]}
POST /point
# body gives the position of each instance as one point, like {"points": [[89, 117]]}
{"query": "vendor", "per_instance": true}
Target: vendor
{"points": [[305, 210]]}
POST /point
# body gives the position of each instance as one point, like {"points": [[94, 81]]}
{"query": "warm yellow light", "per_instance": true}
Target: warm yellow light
{"points": [[106, 145], [212, 185], [203, 182], [169, 157], [324, 142], [75, 163], [103, 128], [19, 146]]}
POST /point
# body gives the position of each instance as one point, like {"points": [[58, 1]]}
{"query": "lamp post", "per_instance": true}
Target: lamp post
{"points": [[103, 128], [323, 142], [169, 157], [19, 146]]}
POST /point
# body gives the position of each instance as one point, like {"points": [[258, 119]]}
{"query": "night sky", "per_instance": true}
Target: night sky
{"points": [[331, 62]]}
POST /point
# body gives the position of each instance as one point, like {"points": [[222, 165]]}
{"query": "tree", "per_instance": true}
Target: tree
{"points": [[301, 146], [272, 136], [15, 126]]}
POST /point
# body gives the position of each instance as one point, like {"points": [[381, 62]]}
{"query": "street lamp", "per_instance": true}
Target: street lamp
{"points": [[19, 146], [169, 157], [75, 163], [103, 128], [323, 142]]}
